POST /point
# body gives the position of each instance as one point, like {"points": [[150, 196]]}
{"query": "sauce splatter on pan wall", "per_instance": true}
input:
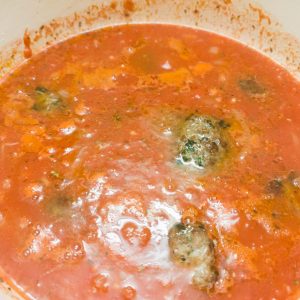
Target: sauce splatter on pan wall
{"points": [[237, 19]]}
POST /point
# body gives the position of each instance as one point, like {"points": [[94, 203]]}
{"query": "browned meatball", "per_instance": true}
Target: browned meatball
{"points": [[203, 141], [286, 188], [191, 247], [46, 100], [252, 87]]}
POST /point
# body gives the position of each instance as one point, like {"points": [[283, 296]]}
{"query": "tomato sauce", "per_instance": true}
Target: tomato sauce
{"points": [[90, 185]]}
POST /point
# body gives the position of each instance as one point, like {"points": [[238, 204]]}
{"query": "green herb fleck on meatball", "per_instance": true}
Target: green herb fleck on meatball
{"points": [[203, 141]]}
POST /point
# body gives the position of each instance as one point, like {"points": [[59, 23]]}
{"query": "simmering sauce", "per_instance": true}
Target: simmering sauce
{"points": [[150, 162]]}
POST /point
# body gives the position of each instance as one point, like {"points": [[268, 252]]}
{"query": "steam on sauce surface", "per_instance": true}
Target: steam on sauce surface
{"points": [[150, 162]]}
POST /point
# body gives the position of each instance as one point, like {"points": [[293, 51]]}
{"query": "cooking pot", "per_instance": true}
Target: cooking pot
{"points": [[270, 26]]}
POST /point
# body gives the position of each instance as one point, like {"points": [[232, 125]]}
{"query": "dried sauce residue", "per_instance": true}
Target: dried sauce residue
{"points": [[113, 5], [228, 17], [27, 44], [261, 15], [128, 7]]}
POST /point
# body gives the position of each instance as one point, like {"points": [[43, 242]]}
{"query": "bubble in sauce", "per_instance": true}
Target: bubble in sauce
{"points": [[26, 252], [67, 255], [128, 293], [100, 283], [136, 235], [6, 184]]}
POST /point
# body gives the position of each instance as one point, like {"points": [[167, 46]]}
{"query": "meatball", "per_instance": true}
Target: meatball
{"points": [[191, 247], [275, 187], [251, 87], [46, 100], [203, 141], [58, 206], [283, 186], [286, 188], [205, 277]]}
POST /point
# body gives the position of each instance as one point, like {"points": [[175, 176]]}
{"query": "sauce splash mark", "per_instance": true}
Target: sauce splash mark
{"points": [[27, 45]]}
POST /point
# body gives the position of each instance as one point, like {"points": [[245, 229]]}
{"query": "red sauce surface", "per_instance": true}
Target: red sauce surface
{"points": [[89, 191]]}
